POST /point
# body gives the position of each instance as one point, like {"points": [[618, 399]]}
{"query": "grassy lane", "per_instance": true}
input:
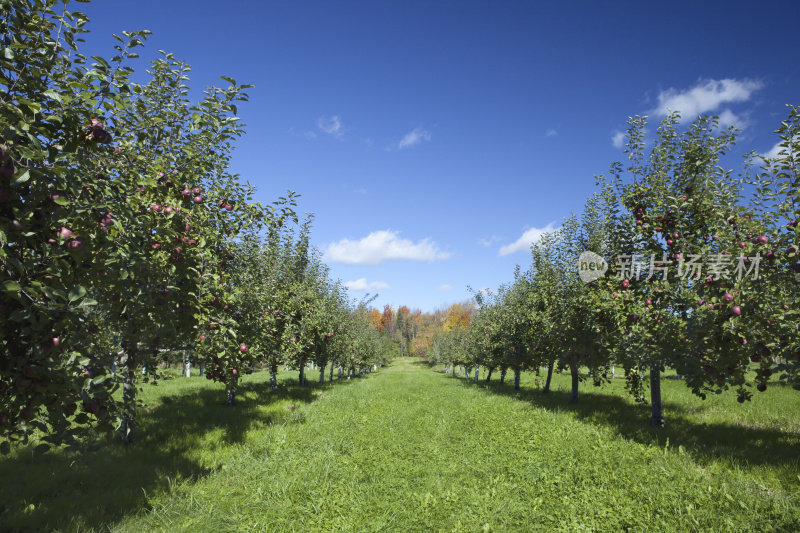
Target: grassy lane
{"points": [[409, 449]]}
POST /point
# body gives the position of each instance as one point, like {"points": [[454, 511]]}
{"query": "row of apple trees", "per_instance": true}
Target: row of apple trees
{"points": [[123, 232], [282, 298], [696, 270]]}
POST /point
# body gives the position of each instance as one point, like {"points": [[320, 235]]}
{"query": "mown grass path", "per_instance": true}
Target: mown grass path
{"points": [[409, 449]]}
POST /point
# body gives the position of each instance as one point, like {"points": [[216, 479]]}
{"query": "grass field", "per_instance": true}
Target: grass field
{"points": [[412, 449]]}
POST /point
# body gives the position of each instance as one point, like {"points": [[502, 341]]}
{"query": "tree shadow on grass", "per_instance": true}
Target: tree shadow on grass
{"points": [[427, 363], [92, 489], [705, 442]]}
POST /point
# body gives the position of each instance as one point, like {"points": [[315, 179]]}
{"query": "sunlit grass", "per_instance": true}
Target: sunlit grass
{"points": [[413, 449]]}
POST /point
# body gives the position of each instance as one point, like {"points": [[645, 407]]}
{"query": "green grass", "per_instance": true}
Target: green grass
{"points": [[411, 449]]}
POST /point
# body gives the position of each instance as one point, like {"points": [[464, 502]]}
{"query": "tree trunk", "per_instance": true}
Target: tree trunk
{"points": [[155, 367], [302, 378], [466, 372], [232, 390], [322, 373], [202, 367], [517, 374], [128, 362], [489, 375], [476, 373], [549, 378], [330, 377], [340, 372], [612, 371], [503, 370], [273, 377], [656, 413], [573, 398], [187, 365]]}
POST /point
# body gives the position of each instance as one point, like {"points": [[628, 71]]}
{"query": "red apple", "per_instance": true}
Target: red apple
{"points": [[156, 207], [728, 297], [242, 348], [198, 199], [75, 244], [736, 310], [196, 190]]}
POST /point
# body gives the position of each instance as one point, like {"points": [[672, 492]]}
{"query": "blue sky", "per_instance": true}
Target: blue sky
{"points": [[434, 140]]}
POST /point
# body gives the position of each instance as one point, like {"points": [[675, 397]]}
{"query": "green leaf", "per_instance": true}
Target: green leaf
{"points": [[87, 302], [61, 201], [25, 176], [50, 93], [77, 293], [11, 286]]}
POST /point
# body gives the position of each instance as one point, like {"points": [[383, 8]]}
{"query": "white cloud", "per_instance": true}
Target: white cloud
{"points": [[445, 287], [530, 236], [360, 191], [414, 137], [706, 96], [773, 153], [490, 241], [728, 118], [550, 133], [380, 246], [331, 126], [618, 139], [362, 285]]}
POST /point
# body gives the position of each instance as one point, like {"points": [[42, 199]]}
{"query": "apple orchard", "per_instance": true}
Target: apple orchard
{"points": [[125, 234], [727, 320]]}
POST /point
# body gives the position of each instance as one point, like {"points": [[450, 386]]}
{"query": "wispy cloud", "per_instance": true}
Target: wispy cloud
{"points": [[490, 241], [412, 138], [529, 236], [362, 285], [445, 287], [381, 246], [331, 125], [361, 191], [774, 152], [550, 133], [310, 135], [707, 95], [618, 139]]}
